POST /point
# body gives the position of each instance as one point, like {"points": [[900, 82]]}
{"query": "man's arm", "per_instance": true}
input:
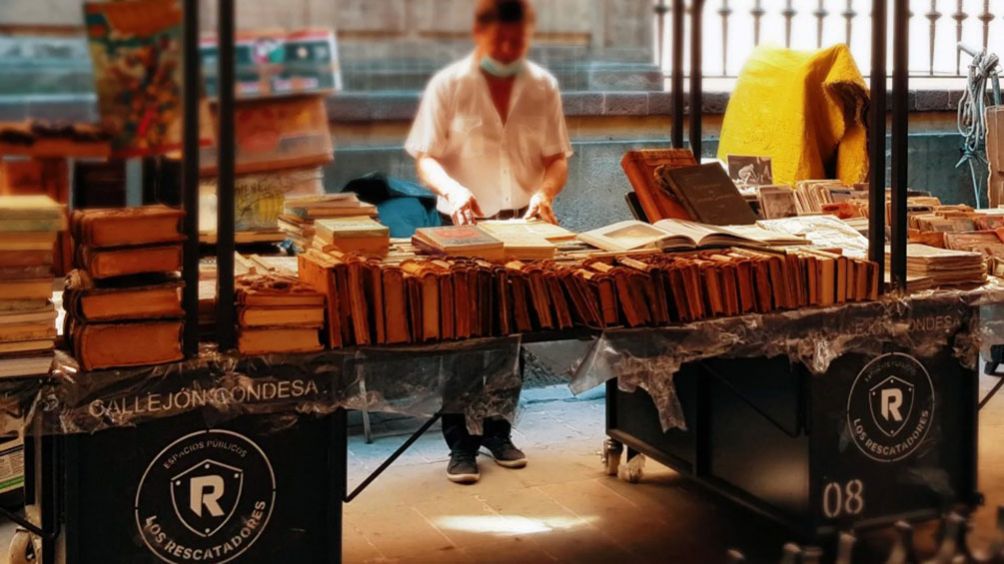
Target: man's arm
{"points": [[555, 178], [465, 209]]}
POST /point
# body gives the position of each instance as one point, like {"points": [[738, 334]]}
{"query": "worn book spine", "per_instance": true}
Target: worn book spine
{"points": [[396, 307], [448, 308], [462, 302]]}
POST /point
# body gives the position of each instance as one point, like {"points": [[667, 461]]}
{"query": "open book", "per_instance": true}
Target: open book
{"points": [[679, 234]]}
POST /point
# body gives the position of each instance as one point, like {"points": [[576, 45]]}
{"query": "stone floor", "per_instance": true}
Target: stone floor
{"points": [[563, 508]]}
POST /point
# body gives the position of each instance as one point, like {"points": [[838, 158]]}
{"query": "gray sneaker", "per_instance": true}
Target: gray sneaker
{"points": [[463, 467], [505, 453]]}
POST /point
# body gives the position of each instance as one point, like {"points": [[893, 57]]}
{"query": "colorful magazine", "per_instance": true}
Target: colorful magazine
{"points": [[136, 50]]}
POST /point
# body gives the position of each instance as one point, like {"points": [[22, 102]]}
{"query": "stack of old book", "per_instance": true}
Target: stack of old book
{"points": [[277, 313], [28, 229], [123, 303], [358, 234], [944, 267], [301, 212], [815, 196]]}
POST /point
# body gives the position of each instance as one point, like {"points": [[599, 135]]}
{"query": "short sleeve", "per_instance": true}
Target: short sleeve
{"points": [[556, 140], [429, 131]]}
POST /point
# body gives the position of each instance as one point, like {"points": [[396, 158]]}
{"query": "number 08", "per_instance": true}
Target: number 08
{"points": [[843, 499]]}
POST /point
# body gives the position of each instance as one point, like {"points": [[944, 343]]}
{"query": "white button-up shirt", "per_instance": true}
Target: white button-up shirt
{"points": [[501, 163]]}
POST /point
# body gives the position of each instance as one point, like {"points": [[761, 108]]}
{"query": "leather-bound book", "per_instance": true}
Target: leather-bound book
{"points": [[315, 270], [373, 285], [653, 286], [540, 297], [487, 290], [127, 227], [711, 280], [462, 299], [413, 291], [395, 299], [811, 277], [852, 281], [102, 346], [730, 284], [874, 284], [503, 317], [559, 301], [272, 317], [447, 301], [279, 340], [520, 286], [708, 194], [760, 274], [796, 280], [154, 297], [629, 296], [474, 291], [585, 304], [745, 285], [358, 302], [863, 275], [21, 259], [640, 166], [128, 261], [696, 290], [36, 289], [841, 287], [429, 306], [602, 286]]}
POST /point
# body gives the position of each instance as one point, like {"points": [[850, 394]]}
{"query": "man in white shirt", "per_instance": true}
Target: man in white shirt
{"points": [[490, 140]]}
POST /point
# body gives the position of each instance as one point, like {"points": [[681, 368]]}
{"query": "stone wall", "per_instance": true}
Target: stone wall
{"points": [[397, 44]]}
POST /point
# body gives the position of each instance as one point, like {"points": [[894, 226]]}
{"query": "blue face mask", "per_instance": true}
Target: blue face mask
{"points": [[499, 69]]}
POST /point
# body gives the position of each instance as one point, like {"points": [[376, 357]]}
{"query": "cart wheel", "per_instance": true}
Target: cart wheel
{"points": [[634, 470], [612, 451], [21, 549]]}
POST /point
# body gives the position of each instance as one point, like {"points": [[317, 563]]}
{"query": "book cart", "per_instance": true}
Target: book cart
{"points": [[823, 420]]}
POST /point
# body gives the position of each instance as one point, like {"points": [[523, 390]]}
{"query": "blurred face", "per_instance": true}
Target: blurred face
{"points": [[504, 42]]}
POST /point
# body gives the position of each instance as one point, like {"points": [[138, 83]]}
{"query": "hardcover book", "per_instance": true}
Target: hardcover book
{"points": [[461, 241], [708, 194], [115, 345], [641, 168], [357, 234], [128, 261], [153, 297], [123, 227]]}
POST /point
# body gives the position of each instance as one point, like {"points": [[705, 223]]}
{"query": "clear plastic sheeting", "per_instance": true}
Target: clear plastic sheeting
{"points": [[479, 378], [649, 358], [18, 399]]}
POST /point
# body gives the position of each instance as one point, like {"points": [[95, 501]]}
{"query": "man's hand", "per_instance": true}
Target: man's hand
{"points": [[540, 208], [465, 207]]}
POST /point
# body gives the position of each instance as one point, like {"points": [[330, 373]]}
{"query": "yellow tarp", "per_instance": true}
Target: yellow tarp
{"points": [[805, 110]]}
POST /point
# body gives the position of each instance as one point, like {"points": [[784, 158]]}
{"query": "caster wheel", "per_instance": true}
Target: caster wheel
{"points": [[633, 471], [612, 451], [22, 550]]}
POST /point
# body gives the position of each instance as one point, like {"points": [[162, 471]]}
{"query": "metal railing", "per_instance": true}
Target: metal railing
{"points": [[936, 26]]}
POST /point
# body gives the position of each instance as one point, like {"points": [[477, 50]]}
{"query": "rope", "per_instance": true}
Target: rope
{"points": [[972, 114]]}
